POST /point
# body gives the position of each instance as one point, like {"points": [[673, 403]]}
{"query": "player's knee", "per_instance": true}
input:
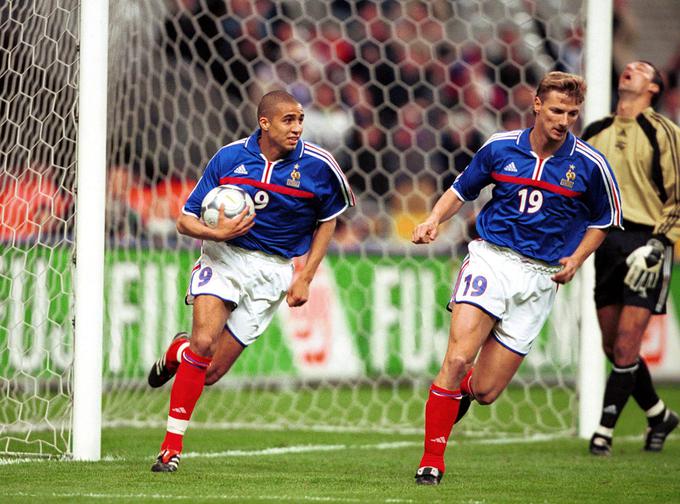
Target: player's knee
{"points": [[626, 349], [487, 396], [608, 349], [201, 345], [454, 366]]}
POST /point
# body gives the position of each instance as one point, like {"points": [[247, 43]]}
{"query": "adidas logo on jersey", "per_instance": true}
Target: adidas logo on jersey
{"points": [[510, 167], [241, 170]]}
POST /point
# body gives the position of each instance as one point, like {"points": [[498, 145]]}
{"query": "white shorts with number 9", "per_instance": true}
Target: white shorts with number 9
{"points": [[253, 281], [513, 289]]}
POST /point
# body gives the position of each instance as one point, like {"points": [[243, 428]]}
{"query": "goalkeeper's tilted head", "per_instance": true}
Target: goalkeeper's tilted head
{"points": [[641, 78]]}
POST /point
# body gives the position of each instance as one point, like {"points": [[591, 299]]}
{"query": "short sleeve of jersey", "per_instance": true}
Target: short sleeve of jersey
{"points": [[603, 197], [209, 180], [476, 176], [335, 193]]}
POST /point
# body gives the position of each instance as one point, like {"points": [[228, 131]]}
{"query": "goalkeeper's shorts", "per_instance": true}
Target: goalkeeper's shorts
{"points": [[515, 290], [611, 269], [254, 283]]}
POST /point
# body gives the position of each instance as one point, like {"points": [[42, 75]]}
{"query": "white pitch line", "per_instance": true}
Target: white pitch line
{"points": [[285, 450], [238, 498], [12, 461], [26, 460], [289, 450]]}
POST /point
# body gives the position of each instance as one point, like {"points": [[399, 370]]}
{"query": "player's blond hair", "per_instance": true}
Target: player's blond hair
{"points": [[572, 85]]}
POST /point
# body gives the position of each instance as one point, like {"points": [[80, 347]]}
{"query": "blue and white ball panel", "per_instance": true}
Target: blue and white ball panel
{"points": [[255, 282], [515, 290]]}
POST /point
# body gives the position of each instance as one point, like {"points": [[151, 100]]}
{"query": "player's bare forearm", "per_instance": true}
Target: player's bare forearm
{"points": [[446, 207], [298, 293], [226, 229], [591, 240]]}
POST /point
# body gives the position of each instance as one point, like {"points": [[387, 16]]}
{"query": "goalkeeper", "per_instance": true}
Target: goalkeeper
{"points": [[633, 266]]}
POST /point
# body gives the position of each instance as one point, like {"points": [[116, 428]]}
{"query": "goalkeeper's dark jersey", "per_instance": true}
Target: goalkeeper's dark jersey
{"points": [[645, 155]]}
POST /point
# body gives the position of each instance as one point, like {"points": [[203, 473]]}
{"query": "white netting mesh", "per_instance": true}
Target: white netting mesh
{"points": [[38, 107], [402, 93]]}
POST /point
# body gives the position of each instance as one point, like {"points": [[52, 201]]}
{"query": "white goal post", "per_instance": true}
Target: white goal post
{"points": [[591, 375], [90, 231], [400, 92]]}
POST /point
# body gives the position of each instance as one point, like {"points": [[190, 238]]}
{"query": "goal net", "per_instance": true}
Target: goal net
{"points": [[402, 93]]}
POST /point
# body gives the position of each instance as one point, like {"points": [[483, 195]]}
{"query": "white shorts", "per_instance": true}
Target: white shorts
{"points": [[253, 281], [515, 290]]}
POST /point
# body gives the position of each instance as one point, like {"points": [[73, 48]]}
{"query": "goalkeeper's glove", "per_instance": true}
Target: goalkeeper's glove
{"points": [[644, 265]]}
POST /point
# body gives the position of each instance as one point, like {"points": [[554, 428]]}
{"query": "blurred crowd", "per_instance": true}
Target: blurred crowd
{"points": [[401, 92]]}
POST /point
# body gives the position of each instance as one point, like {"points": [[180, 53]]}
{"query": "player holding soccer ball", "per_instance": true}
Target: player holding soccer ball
{"points": [[633, 266], [553, 201], [245, 269]]}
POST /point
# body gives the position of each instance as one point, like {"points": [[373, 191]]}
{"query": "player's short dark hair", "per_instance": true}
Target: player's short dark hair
{"points": [[658, 80], [269, 102], [572, 85]]}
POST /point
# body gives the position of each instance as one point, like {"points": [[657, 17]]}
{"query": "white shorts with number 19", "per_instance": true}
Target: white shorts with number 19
{"points": [[253, 281], [515, 290]]}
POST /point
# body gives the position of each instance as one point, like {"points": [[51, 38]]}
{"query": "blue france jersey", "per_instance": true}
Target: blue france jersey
{"points": [[540, 208], [291, 195]]}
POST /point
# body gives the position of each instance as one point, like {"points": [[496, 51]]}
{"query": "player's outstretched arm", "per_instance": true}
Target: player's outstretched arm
{"points": [[446, 207], [592, 239], [226, 228], [298, 292]]}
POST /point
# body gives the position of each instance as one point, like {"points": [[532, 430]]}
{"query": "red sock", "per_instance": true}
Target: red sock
{"points": [[466, 384], [186, 390], [440, 415], [171, 360]]}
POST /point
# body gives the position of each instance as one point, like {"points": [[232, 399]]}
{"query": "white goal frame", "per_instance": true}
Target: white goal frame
{"points": [[89, 305], [90, 234], [591, 362]]}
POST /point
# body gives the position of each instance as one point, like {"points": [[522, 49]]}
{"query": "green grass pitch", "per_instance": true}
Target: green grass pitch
{"points": [[280, 466]]}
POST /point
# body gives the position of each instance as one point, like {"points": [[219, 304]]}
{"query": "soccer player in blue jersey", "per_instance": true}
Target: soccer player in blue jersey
{"points": [[554, 198], [245, 269]]}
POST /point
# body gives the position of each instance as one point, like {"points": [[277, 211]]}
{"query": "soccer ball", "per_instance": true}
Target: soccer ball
{"points": [[232, 197]]}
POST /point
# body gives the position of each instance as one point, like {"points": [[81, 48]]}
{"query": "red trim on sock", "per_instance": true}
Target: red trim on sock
{"points": [[441, 410], [186, 390], [196, 360], [442, 389]]}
